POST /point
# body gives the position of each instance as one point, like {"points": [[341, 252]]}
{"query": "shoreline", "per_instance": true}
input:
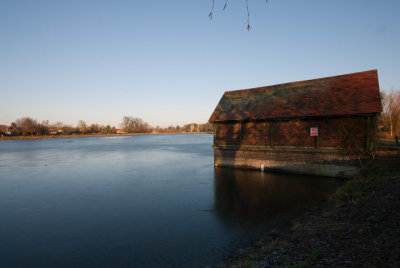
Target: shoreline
{"points": [[357, 227], [5, 138]]}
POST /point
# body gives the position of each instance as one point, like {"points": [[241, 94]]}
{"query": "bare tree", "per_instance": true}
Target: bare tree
{"points": [[125, 125], [390, 118], [42, 129], [82, 126], [46, 123], [67, 129], [58, 125], [27, 126], [134, 125]]}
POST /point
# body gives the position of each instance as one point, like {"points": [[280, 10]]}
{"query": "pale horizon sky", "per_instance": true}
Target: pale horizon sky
{"points": [[167, 63]]}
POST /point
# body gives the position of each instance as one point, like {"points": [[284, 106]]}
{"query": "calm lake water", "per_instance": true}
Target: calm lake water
{"points": [[134, 201]]}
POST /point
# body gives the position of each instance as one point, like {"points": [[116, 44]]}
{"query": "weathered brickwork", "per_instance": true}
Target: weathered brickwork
{"points": [[284, 156], [335, 164], [228, 134], [293, 133], [256, 133], [347, 132]]}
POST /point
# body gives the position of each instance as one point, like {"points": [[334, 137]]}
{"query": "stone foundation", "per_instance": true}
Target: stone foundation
{"points": [[310, 161]]}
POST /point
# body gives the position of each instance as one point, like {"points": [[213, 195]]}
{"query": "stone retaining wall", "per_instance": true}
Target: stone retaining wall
{"points": [[312, 161]]}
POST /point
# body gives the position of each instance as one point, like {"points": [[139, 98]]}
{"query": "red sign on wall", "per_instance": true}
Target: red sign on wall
{"points": [[313, 131]]}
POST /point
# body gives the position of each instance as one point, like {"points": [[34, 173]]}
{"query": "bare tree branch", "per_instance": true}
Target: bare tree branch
{"points": [[248, 15], [226, 4], [212, 9]]}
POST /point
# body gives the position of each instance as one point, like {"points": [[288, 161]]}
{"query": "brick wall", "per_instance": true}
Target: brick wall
{"points": [[256, 133], [228, 134], [347, 132], [293, 133]]}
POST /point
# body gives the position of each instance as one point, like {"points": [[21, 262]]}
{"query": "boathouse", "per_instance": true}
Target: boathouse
{"points": [[323, 126]]}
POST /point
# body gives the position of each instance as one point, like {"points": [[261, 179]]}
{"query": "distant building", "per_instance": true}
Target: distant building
{"points": [[320, 127], [56, 131], [193, 128], [121, 131], [8, 130]]}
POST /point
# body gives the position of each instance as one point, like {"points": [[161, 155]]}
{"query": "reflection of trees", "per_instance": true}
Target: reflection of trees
{"points": [[252, 195]]}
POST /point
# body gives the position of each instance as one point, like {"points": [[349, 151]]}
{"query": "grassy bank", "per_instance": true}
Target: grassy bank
{"points": [[358, 227]]}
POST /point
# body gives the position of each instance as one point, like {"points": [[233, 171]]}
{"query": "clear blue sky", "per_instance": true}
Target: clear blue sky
{"points": [[164, 60]]}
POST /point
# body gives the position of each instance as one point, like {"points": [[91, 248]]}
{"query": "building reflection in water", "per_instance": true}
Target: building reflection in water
{"points": [[251, 195]]}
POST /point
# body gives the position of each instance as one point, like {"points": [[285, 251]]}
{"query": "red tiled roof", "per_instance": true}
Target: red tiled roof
{"points": [[350, 94]]}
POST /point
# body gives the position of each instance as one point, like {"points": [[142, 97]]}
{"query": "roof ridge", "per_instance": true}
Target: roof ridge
{"points": [[297, 82]]}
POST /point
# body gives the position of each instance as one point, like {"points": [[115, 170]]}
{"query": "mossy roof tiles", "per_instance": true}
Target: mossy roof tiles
{"points": [[350, 94]]}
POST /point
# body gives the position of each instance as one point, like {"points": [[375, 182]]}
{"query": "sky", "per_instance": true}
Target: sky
{"points": [[169, 64]]}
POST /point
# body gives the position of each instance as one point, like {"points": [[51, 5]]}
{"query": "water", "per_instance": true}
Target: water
{"points": [[134, 201]]}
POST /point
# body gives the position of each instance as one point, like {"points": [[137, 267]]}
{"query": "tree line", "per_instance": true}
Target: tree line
{"points": [[28, 126]]}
